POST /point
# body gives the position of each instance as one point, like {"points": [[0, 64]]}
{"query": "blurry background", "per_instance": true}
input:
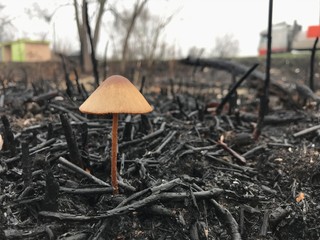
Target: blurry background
{"points": [[180, 26]]}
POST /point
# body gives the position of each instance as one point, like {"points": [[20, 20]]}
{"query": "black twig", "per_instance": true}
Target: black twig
{"points": [[143, 80], [26, 164], [79, 170], [9, 142], [265, 224], [50, 202], [225, 217], [70, 90], [313, 53], [234, 88], [165, 196], [71, 141], [264, 100]]}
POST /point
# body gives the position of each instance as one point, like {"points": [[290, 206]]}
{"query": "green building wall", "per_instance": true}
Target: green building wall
{"points": [[18, 51]]}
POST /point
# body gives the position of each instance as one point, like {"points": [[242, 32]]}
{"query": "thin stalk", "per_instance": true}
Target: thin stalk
{"points": [[313, 53], [234, 88], [264, 100], [114, 151]]}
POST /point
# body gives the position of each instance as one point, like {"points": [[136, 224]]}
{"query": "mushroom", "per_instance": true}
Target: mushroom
{"points": [[115, 95]]}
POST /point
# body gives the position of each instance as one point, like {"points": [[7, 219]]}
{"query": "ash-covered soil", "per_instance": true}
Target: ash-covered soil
{"points": [[184, 171]]}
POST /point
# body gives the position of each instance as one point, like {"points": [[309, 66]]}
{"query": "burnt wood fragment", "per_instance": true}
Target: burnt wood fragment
{"points": [[50, 202], [74, 152], [38, 232], [277, 215], [69, 85], [236, 155], [242, 168], [80, 87], [306, 131], [74, 115], [165, 196], [84, 145], [26, 164], [8, 139], [265, 224], [225, 217], [238, 69], [305, 93], [44, 96], [128, 128], [143, 80], [87, 191], [145, 125], [50, 131], [275, 118], [39, 148], [79, 170], [164, 142], [234, 88], [146, 137]]}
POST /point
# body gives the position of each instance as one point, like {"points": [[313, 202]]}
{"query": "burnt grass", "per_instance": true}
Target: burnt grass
{"points": [[178, 177]]}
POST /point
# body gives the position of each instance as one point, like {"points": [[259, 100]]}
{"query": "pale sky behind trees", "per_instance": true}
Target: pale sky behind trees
{"points": [[196, 22]]}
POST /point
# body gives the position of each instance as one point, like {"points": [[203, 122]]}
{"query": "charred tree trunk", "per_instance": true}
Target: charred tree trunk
{"points": [[93, 55]]}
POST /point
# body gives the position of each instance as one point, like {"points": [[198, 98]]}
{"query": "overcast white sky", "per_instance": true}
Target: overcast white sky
{"points": [[197, 23]]}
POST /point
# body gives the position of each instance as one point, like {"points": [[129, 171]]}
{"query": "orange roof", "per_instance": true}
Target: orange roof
{"points": [[313, 31]]}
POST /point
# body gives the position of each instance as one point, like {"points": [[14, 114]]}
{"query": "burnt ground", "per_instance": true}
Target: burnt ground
{"points": [[181, 167]]}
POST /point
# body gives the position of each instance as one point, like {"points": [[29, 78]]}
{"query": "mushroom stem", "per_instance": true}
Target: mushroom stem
{"points": [[114, 151]]}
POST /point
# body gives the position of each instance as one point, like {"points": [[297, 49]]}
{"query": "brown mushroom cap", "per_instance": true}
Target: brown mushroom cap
{"points": [[116, 94]]}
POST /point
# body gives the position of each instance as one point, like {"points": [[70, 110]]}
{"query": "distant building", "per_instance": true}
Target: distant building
{"points": [[24, 50]]}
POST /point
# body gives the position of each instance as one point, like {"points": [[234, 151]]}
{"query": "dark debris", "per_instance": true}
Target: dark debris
{"points": [[176, 180]]}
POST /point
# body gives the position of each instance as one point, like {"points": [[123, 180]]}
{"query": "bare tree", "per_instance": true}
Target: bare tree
{"points": [[63, 46], [6, 26], [45, 14], [80, 16], [147, 34], [226, 46], [124, 25], [140, 34], [195, 52]]}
